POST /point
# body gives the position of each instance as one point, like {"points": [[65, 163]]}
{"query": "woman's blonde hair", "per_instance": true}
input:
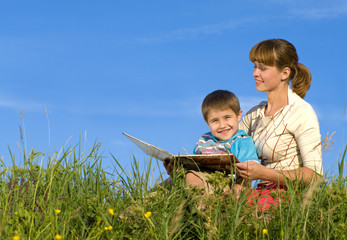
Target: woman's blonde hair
{"points": [[282, 54]]}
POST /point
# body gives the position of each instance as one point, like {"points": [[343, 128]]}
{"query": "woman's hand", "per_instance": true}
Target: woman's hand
{"points": [[250, 170]]}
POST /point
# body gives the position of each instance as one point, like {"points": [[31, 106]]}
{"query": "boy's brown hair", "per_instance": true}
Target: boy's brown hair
{"points": [[220, 99]]}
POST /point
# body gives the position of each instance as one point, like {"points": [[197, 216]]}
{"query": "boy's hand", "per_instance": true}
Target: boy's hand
{"points": [[169, 165]]}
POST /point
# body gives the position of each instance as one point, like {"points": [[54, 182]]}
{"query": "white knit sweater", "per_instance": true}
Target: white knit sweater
{"points": [[288, 139]]}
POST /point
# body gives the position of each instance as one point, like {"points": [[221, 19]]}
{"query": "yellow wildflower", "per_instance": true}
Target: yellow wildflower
{"points": [[16, 237], [57, 211], [110, 228], [110, 211], [265, 231], [15, 213], [106, 228], [58, 237], [148, 214]]}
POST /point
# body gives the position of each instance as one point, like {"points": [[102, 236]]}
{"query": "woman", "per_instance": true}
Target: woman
{"points": [[285, 129]]}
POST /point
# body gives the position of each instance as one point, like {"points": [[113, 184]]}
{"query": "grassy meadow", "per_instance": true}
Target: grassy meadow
{"points": [[67, 195]]}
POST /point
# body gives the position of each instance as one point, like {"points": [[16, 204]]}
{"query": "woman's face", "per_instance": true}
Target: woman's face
{"points": [[268, 78]]}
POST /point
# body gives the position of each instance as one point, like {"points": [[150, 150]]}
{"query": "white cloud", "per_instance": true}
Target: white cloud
{"points": [[30, 106], [310, 10], [119, 143], [191, 33], [247, 102], [7, 104], [322, 12], [189, 107], [336, 113]]}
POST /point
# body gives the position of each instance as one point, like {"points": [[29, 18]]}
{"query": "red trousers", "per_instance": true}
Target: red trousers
{"points": [[266, 197]]}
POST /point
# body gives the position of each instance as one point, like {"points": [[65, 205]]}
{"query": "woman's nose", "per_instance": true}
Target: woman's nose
{"points": [[255, 72]]}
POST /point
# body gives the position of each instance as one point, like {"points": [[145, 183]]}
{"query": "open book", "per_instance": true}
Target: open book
{"points": [[211, 162]]}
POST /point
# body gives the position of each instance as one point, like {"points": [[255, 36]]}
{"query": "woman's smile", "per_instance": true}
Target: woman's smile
{"points": [[258, 82]]}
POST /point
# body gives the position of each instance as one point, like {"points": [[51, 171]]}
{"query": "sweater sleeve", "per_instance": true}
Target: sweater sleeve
{"points": [[245, 149], [307, 135], [195, 151]]}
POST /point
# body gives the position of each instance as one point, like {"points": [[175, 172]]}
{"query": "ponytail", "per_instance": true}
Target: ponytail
{"points": [[301, 81]]}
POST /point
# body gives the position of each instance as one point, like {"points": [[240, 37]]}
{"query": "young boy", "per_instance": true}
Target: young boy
{"points": [[222, 113]]}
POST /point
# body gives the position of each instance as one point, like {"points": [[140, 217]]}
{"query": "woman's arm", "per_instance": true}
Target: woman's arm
{"points": [[255, 171]]}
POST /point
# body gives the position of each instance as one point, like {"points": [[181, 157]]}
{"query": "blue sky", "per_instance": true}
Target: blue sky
{"points": [[95, 69]]}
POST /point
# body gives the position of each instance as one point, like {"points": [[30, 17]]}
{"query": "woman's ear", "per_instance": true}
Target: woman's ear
{"points": [[286, 73]]}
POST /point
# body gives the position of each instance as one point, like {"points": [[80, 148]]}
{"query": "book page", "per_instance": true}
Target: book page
{"points": [[149, 149], [212, 162]]}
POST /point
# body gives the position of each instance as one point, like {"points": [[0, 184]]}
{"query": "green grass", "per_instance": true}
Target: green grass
{"points": [[75, 184]]}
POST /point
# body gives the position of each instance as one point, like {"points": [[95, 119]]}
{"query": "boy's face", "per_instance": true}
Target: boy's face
{"points": [[223, 123]]}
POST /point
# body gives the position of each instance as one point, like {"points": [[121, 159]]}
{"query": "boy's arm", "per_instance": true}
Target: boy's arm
{"points": [[195, 151], [199, 144], [246, 150]]}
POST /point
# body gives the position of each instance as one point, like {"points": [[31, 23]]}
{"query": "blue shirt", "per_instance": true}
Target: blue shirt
{"points": [[241, 145]]}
